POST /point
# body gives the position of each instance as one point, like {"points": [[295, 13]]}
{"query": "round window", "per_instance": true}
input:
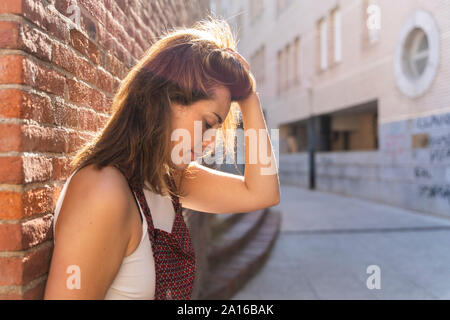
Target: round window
{"points": [[417, 54]]}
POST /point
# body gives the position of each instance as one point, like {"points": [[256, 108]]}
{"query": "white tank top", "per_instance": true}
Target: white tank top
{"points": [[136, 277]]}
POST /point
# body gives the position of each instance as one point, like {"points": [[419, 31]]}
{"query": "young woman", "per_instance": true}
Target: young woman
{"points": [[118, 228]]}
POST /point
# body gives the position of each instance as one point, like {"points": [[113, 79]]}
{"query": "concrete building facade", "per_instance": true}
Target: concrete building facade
{"points": [[359, 90]]}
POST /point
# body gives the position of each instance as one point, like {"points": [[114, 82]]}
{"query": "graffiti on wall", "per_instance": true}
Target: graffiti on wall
{"points": [[439, 148], [438, 127]]}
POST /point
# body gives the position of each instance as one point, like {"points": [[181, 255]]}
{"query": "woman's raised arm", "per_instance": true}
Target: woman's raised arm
{"points": [[213, 191]]}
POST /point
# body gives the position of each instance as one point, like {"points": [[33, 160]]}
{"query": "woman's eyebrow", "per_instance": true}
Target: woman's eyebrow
{"points": [[220, 119]]}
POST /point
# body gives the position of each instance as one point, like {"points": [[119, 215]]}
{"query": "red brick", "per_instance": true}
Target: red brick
{"points": [[10, 236], [37, 201], [11, 6], [137, 51], [62, 6], [11, 69], [105, 81], [16, 103], [113, 8], [35, 42], [11, 170], [35, 138], [68, 60], [37, 231], [20, 270], [123, 54], [66, 115], [33, 293], [117, 31], [43, 78], [10, 137], [108, 104], [10, 270], [98, 101], [37, 169], [139, 41], [36, 263], [131, 26], [95, 8], [114, 66], [116, 86], [36, 292], [11, 207], [9, 34], [123, 5], [89, 26], [13, 294], [11, 103], [84, 45], [105, 39], [78, 140], [86, 96], [34, 11], [36, 107], [79, 92], [56, 192], [17, 205], [102, 121], [61, 168], [133, 16], [45, 18], [88, 119]]}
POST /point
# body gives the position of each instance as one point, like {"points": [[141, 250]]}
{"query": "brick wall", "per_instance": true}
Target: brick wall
{"points": [[58, 75]]}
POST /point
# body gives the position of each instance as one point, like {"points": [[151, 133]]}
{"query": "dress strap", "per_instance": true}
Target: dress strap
{"points": [[142, 202], [175, 199]]}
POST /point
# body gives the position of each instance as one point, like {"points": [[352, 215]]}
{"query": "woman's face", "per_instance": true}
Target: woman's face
{"points": [[196, 119]]}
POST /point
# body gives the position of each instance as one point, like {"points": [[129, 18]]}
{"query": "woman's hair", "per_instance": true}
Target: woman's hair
{"points": [[183, 66]]}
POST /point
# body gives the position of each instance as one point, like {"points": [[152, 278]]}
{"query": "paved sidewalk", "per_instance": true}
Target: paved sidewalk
{"points": [[327, 241]]}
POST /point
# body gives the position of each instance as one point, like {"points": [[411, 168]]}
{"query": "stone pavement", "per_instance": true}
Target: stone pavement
{"points": [[327, 241]]}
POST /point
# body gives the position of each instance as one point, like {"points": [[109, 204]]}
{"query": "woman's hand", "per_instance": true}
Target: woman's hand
{"points": [[253, 98]]}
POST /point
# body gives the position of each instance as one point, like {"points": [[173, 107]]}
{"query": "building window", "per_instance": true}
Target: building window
{"points": [[256, 9], [288, 64], [296, 60], [337, 34], [323, 43], [281, 6], [287, 67], [279, 64], [257, 62], [417, 54]]}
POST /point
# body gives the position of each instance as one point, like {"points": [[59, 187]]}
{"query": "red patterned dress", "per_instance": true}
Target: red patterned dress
{"points": [[173, 252]]}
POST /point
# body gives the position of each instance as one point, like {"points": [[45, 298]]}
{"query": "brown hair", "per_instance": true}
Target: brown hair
{"points": [[182, 66]]}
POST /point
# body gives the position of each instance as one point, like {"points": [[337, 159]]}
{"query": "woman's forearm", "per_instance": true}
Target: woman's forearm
{"points": [[261, 171]]}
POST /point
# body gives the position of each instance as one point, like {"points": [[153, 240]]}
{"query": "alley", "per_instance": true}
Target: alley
{"points": [[327, 241]]}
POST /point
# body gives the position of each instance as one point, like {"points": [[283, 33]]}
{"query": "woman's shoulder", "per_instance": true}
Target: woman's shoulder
{"points": [[105, 177], [96, 194], [93, 228]]}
